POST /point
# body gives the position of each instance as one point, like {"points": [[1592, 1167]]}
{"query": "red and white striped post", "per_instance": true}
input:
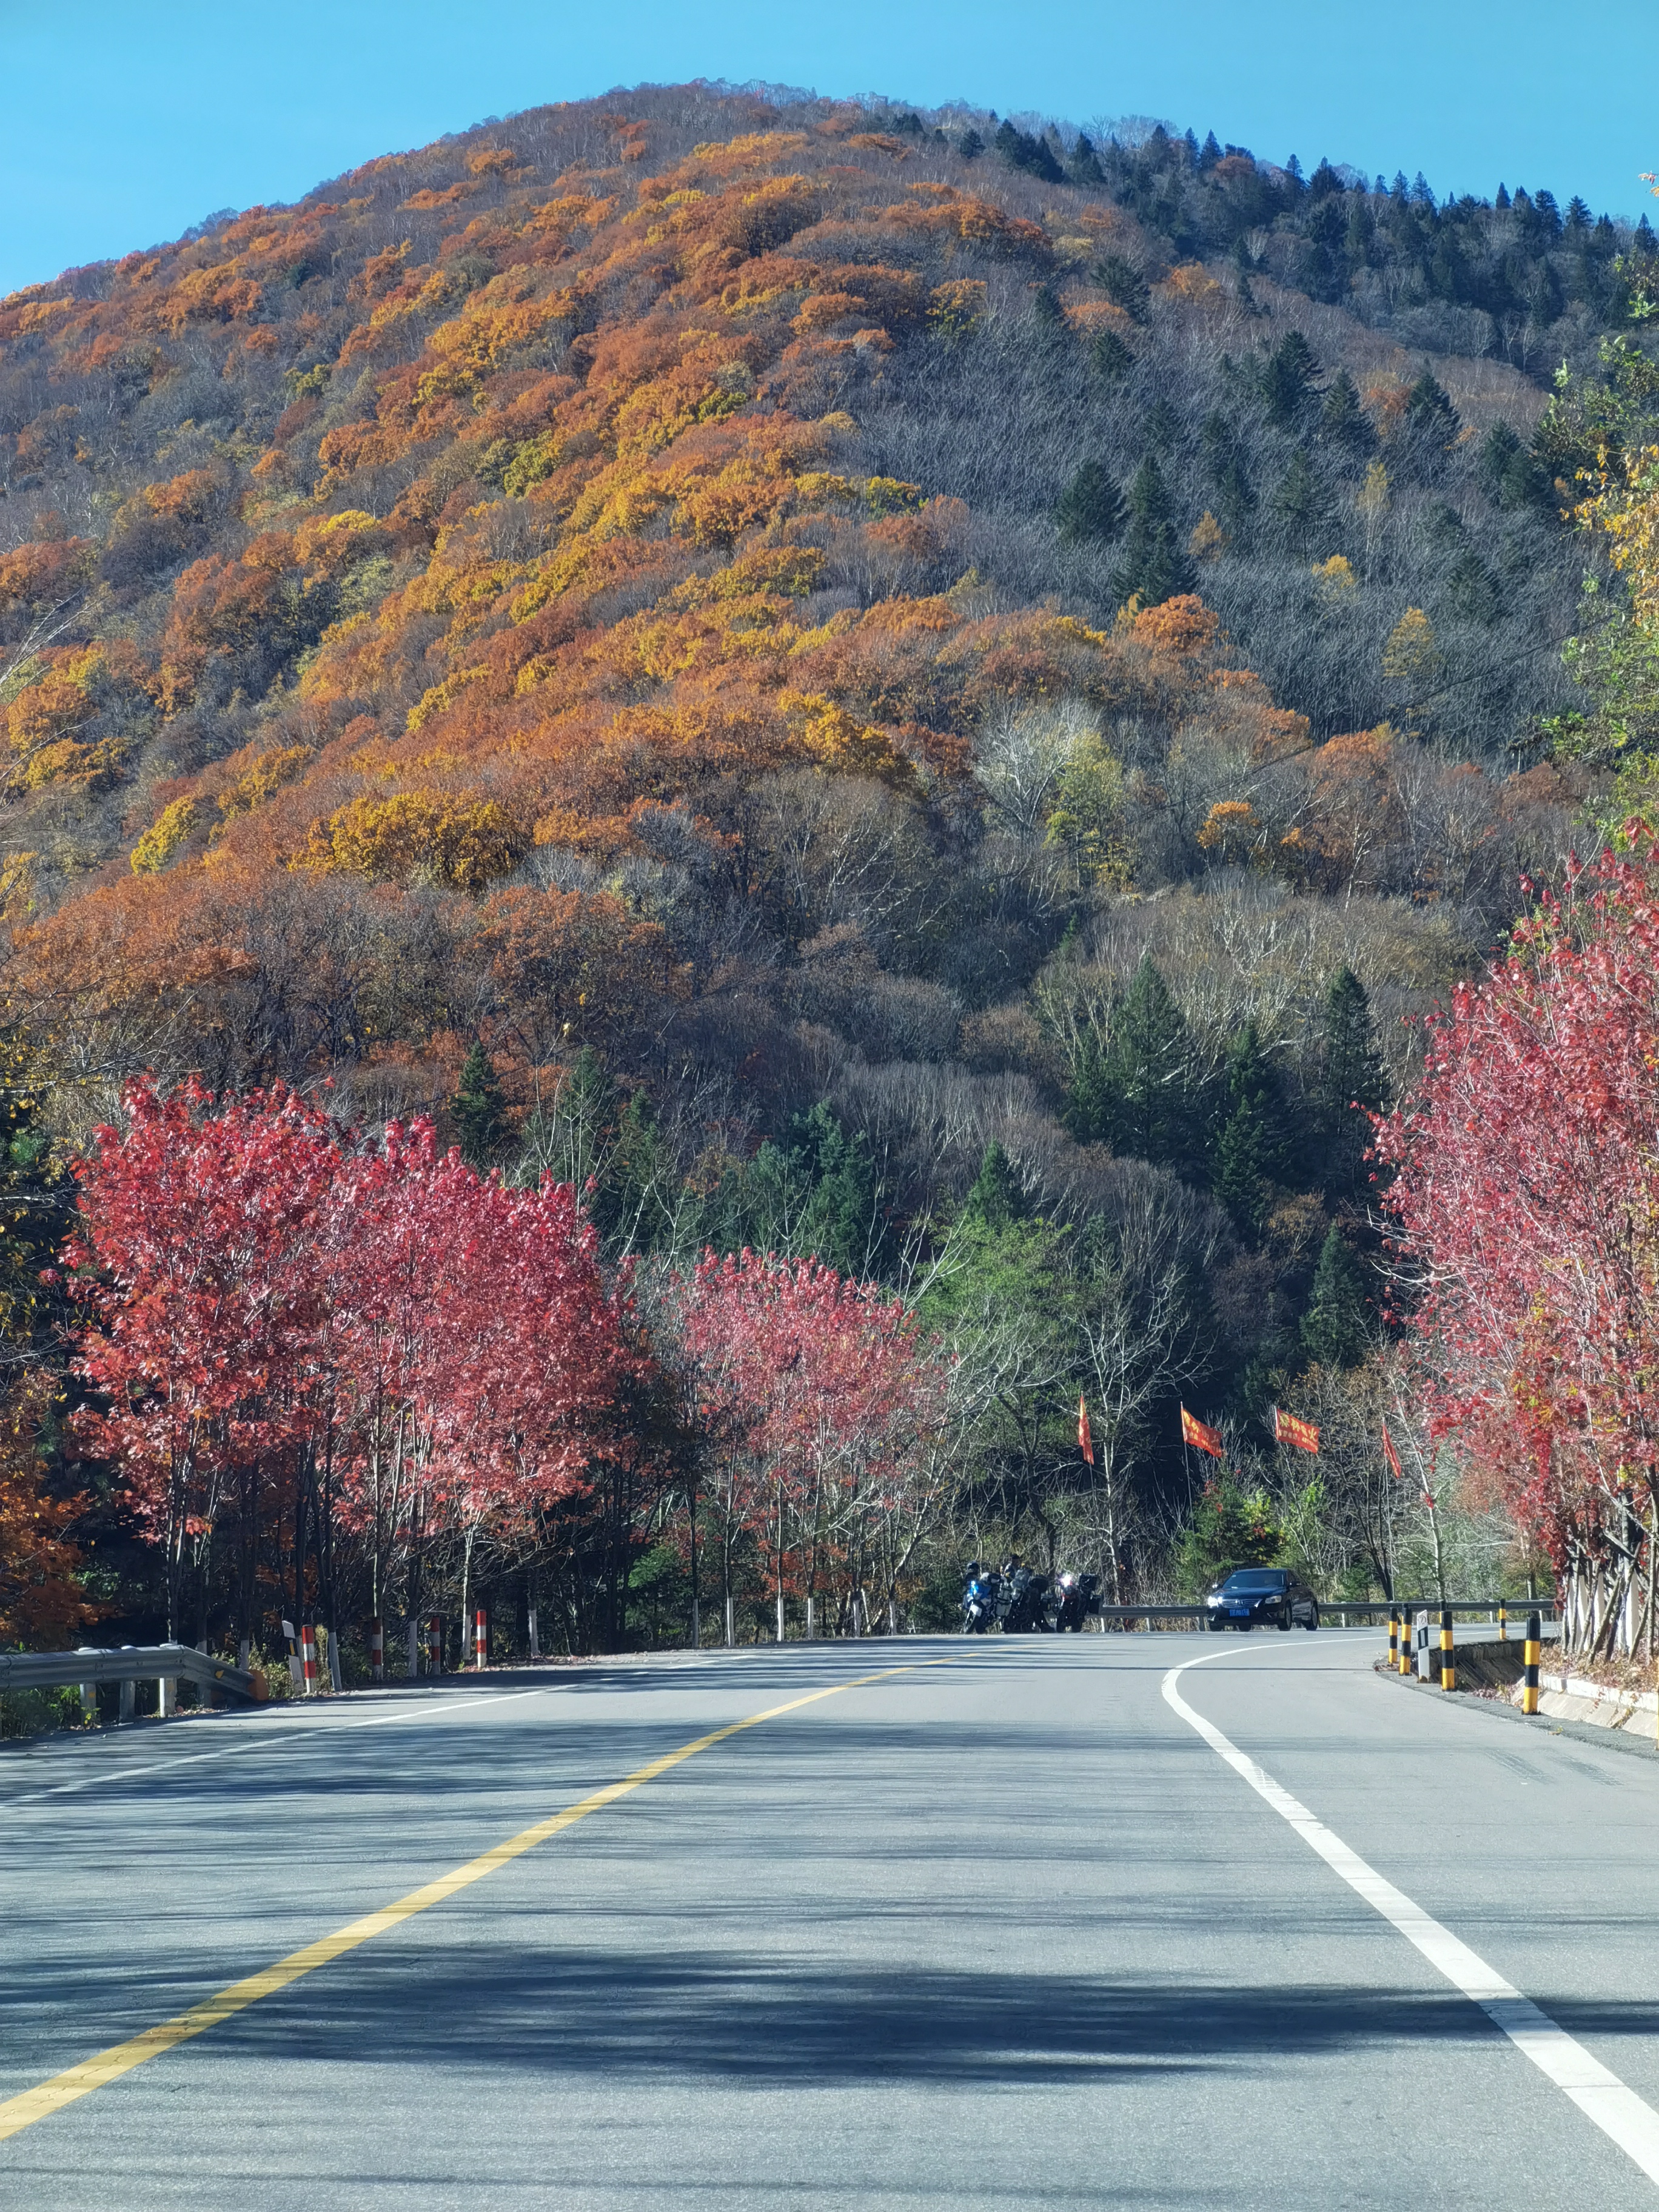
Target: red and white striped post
{"points": [[435, 1646], [377, 1651], [480, 1638], [309, 1656]]}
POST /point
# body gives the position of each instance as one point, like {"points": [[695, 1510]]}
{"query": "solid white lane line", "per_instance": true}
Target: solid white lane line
{"points": [[1598, 2094]]}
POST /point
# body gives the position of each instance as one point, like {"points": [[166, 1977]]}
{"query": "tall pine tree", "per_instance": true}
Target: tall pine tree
{"points": [[1254, 1144], [1337, 1329], [1090, 506], [1139, 1092], [1351, 1085], [1154, 565], [479, 1111], [996, 1199]]}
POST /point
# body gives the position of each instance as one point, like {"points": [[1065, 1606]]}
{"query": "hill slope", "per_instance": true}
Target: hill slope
{"points": [[654, 578]]}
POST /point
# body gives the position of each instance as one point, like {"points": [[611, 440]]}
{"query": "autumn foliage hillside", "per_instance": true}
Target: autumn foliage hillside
{"points": [[809, 678]]}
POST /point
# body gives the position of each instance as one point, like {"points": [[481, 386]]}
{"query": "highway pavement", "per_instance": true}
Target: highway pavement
{"points": [[1029, 1922]]}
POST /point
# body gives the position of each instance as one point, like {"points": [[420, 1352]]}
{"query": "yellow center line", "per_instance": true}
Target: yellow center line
{"points": [[39, 2103]]}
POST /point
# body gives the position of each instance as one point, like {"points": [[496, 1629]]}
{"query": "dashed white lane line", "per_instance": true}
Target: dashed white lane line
{"points": [[1598, 2094]]}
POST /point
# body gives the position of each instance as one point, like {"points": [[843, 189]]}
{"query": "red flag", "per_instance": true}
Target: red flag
{"points": [[1085, 1442], [1199, 1434], [1392, 1455], [1287, 1430]]}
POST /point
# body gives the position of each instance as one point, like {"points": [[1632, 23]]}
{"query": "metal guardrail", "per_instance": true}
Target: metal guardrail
{"points": [[133, 1663], [1333, 1607], [1519, 1608]]}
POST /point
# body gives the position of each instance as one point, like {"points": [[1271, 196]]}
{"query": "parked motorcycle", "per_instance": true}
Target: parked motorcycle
{"points": [[1075, 1597], [1026, 1610], [982, 1599]]}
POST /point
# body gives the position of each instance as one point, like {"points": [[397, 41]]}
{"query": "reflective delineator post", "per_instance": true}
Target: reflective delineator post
{"points": [[1407, 1632], [1503, 1622], [1393, 1640], [376, 1651], [1529, 1650], [480, 1638], [435, 1646], [308, 1657], [1448, 1663], [535, 1641]]}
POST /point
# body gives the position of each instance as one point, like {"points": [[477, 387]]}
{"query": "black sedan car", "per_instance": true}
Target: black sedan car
{"points": [[1255, 1595]]}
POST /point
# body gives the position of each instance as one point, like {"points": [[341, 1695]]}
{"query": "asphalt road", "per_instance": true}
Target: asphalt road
{"points": [[1004, 1931]]}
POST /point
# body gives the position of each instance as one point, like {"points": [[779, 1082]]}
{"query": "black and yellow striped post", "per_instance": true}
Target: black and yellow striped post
{"points": [[1503, 1622], [1529, 1652], [1406, 1642], [1448, 1663], [1394, 1641]]}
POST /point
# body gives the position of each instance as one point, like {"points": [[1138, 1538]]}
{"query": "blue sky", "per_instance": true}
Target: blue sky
{"points": [[125, 125]]}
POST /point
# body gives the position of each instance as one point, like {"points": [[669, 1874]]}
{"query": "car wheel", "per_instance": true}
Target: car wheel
{"points": [[1285, 1619], [1312, 1621]]}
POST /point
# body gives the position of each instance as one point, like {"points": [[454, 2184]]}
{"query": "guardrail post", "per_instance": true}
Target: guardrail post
{"points": [[1534, 1638], [167, 1697], [129, 1705], [1448, 1663], [480, 1638], [376, 1651], [308, 1657], [1394, 1641]]}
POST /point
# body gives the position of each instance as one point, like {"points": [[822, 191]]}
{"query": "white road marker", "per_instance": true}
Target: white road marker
{"points": [[1598, 2094]]}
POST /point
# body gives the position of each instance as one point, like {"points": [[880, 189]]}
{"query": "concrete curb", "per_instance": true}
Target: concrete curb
{"points": [[1611, 1739]]}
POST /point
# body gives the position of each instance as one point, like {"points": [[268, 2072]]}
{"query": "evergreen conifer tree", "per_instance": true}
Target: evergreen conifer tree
{"points": [[1154, 565], [479, 1111], [842, 1222], [1236, 496], [1342, 419], [995, 1201], [1336, 1329], [1123, 285], [1253, 1147], [1139, 1093], [1084, 169], [634, 1207], [1430, 413], [1300, 500], [1090, 507], [1472, 589], [1286, 379], [1350, 1075], [1162, 428], [1110, 357]]}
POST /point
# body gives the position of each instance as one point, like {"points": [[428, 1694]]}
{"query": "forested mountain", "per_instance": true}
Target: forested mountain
{"points": [[821, 655]]}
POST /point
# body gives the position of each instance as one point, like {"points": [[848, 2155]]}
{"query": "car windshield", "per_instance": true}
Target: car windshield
{"points": [[1251, 1580]]}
